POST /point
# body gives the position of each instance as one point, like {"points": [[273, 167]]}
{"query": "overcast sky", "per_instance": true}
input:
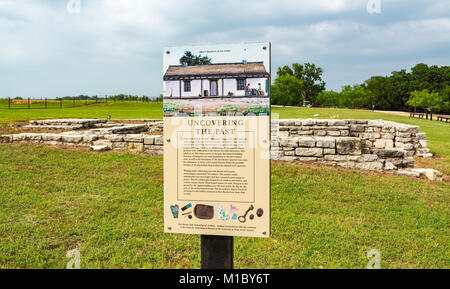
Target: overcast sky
{"points": [[115, 46]]}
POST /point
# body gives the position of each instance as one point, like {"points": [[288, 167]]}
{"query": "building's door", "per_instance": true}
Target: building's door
{"points": [[214, 88]]}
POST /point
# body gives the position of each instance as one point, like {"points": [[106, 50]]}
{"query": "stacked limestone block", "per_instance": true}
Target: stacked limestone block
{"points": [[122, 129], [152, 144], [361, 144], [154, 125], [49, 138], [67, 123], [119, 138], [338, 151], [374, 134]]}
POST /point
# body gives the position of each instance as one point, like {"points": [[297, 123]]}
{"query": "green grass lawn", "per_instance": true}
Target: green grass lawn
{"points": [[110, 207], [122, 109]]}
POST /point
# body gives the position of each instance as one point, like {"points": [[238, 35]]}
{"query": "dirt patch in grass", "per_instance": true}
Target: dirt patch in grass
{"points": [[432, 163], [25, 101], [426, 162], [153, 133]]}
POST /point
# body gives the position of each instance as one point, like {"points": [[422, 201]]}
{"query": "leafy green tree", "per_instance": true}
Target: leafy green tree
{"points": [[378, 86], [420, 78], [351, 96], [190, 59], [125, 97], [433, 78], [398, 85], [310, 77], [445, 99], [329, 99], [356, 96], [285, 90], [393, 91], [425, 99]]}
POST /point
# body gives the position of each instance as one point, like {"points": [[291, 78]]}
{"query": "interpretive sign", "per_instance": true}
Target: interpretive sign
{"points": [[217, 139]]}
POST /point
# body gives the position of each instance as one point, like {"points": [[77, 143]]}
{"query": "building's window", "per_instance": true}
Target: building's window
{"points": [[240, 84], [187, 86]]}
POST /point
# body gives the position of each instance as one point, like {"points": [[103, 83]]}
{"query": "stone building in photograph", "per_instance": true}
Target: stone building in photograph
{"points": [[217, 80]]}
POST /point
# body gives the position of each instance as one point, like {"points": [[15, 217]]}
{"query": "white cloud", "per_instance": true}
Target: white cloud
{"points": [[110, 36], [438, 8], [360, 39]]}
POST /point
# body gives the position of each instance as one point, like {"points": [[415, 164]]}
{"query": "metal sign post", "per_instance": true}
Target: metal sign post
{"points": [[217, 252]]}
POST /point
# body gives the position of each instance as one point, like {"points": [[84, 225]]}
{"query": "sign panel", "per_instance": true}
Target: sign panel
{"points": [[217, 139]]}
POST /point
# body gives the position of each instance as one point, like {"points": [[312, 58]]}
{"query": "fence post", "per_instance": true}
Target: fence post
{"points": [[216, 252], [60, 103], [86, 100], [28, 103], [96, 99], [73, 101], [45, 103], [106, 98], [9, 102]]}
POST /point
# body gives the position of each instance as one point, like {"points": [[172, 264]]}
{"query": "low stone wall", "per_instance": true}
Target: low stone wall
{"points": [[374, 145], [73, 124], [361, 144], [364, 144], [144, 143], [122, 126], [111, 136], [339, 151], [374, 134], [121, 129]]}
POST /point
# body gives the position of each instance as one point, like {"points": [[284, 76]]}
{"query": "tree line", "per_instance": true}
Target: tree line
{"points": [[117, 97], [423, 88]]}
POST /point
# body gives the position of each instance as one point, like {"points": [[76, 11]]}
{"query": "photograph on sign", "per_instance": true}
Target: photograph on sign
{"points": [[217, 139]]}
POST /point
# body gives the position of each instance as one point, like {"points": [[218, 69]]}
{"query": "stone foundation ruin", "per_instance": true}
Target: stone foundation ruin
{"points": [[374, 145], [361, 144], [99, 135]]}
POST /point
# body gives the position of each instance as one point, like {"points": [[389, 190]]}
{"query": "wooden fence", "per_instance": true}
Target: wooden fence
{"points": [[65, 102]]}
